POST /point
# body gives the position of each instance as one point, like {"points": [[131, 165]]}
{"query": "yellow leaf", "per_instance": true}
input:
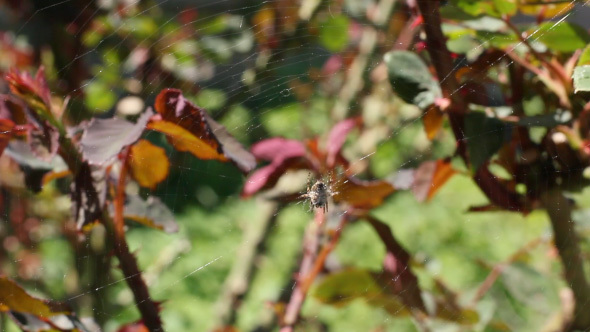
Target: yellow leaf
{"points": [[148, 163]]}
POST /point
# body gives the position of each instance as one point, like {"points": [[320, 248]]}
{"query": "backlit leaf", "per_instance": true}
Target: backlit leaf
{"points": [[430, 177], [14, 298], [342, 287], [432, 120], [362, 194], [338, 136], [148, 164], [561, 36], [33, 90], [189, 128]]}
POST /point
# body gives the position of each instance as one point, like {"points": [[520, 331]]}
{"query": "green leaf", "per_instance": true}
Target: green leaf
{"points": [[334, 33], [584, 57], [505, 7], [484, 136], [410, 78], [581, 78], [535, 290], [283, 121], [342, 287], [99, 97], [562, 37]]}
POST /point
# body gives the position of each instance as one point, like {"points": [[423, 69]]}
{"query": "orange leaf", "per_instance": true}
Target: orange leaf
{"points": [[429, 177], [432, 120], [362, 194], [263, 22], [14, 298], [184, 140], [148, 163]]}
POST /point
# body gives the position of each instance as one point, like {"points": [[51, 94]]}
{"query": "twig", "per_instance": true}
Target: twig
{"points": [[310, 248]]}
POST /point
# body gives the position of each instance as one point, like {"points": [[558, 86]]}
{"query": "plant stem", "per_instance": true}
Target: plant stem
{"points": [[115, 229], [566, 241]]}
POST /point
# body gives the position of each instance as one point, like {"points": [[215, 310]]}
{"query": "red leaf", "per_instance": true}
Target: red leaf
{"points": [[277, 147], [429, 177], [337, 138], [189, 128], [133, 327], [267, 176], [24, 85], [362, 194]]}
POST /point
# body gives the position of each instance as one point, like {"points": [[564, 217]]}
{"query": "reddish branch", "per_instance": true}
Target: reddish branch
{"points": [[115, 227]]}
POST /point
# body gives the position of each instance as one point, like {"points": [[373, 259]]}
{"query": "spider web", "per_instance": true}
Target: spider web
{"points": [[210, 49]]}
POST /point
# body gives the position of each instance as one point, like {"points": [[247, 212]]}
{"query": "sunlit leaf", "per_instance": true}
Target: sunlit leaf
{"points": [[277, 147], [410, 78], [14, 298], [584, 57], [267, 176], [430, 177], [189, 128], [148, 163], [337, 137], [581, 78], [33, 90], [432, 120], [103, 139], [551, 9], [362, 194], [151, 212], [99, 96], [342, 287], [561, 36]]}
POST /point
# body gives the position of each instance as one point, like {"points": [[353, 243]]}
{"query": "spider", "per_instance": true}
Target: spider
{"points": [[319, 194]]}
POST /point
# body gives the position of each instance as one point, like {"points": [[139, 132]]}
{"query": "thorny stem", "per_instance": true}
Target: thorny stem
{"points": [[566, 241], [115, 229]]}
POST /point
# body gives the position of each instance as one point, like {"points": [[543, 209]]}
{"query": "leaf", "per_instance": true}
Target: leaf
{"points": [[33, 90], [341, 287], [99, 96], [14, 298], [410, 79], [189, 128], [484, 136], [584, 57], [581, 78], [148, 163], [430, 177], [337, 137], [267, 176], [362, 194], [103, 139], [151, 212], [561, 36], [277, 147], [551, 9], [334, 33], [134, 327], [432, 120]]}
